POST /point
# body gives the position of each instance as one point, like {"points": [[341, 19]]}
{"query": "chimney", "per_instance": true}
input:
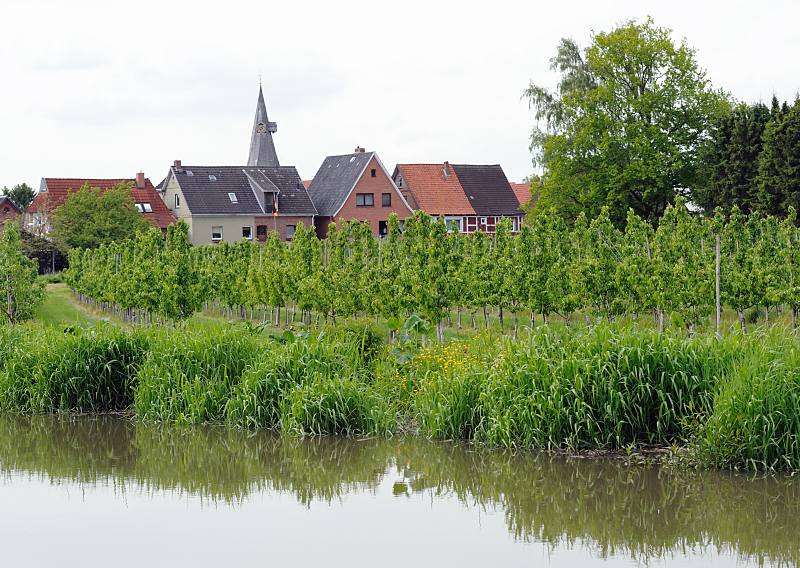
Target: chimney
{"points": [[140, 180], [177, 165], [446, 169], [359, 150]]}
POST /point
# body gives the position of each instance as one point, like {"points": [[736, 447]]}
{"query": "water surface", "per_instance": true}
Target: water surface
{"points": [[103, 491]]}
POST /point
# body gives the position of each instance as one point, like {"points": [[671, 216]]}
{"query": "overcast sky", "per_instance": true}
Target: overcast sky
{"points": [[104, 89]]}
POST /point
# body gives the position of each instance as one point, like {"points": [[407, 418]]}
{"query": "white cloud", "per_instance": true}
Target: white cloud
{"points": [[103, 89]]}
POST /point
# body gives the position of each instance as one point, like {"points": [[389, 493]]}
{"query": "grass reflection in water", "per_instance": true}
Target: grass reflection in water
{"points": [[644, 512]]}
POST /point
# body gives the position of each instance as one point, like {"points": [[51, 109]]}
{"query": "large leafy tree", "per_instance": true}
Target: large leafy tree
{"points": [[779, 162], [91, 216], [21, 194], [728, 160], [623, 128]]}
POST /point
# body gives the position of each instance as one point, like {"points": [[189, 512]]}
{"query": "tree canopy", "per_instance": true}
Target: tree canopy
{"points": [[21, 292], [623, 128], [91, 217], [21, 194]]}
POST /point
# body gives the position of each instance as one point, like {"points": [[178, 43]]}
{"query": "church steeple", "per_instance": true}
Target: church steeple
{"points": [[262, 148]]}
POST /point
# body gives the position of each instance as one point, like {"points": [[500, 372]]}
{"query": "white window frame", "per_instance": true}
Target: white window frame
{"points": [[459, 221], [232, 197], [220, 227], [147, 208], [250, 230], [177, 201]]}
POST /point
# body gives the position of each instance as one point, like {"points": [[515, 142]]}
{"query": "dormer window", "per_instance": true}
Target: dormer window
{"points": [[232, 197]]}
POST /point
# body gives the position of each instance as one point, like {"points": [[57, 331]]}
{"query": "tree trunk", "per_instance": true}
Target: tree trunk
{"points": [[459, 318], [794, 319], [660, 316], [533, 322], [742, 321], [440, 331], [485, 317], [500, 315]]}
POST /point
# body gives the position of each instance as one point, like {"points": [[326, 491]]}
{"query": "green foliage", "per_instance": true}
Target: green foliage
{"points": [[779, 162], [728, 160], [91, 217], [756, 418], [624, 126], [21, 292], [21, 194]]}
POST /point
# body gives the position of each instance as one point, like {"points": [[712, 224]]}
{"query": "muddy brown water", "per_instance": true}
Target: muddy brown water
{"points": [[103, 491]]}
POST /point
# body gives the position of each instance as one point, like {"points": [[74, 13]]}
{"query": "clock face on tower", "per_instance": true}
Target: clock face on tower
{"points": [[261, 128]]}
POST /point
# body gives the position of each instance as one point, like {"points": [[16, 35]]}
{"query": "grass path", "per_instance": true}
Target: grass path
{"points": [[59, 309]]}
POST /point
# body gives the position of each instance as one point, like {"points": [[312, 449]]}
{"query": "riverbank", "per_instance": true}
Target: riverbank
{"points": [[730, 403]]}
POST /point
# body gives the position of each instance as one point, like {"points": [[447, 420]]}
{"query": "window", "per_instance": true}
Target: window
{"points": [[177, 201], [386, 199], [365, 199], [212, 177], [453, 224], [373, 172], [189, 173], [383, 228], [290, 231], [232, 197], [247, 233], [216, 233], [145, 207]]}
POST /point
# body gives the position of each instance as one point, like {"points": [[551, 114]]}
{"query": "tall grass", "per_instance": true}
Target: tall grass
{"points": [[735, 402], [607, 388], [79, 371], [756, 419], [189, 378]]}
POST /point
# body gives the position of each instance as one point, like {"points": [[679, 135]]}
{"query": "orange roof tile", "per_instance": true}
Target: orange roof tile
{"points": [[522, 191], [433, 192]]}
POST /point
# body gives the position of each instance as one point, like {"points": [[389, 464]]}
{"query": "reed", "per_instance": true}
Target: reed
{"points": [[78, 371], [756, 420], [607, 388]]}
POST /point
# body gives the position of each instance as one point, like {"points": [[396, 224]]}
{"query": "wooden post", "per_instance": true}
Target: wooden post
{"points": [[717, 289]]}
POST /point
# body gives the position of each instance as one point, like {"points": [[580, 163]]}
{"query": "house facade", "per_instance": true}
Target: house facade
{"points": [[469, 197], [53, 193], [356, 187], [236, 203], [8, 210]]}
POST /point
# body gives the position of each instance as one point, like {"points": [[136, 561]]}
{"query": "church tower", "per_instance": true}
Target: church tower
{"points": [[262, 148]]}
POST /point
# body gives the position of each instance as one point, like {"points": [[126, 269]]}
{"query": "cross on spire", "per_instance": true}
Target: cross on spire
{"points": [[262, 147]]}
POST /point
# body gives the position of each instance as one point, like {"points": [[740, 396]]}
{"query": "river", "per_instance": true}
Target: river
{"points": [[104, 491]]}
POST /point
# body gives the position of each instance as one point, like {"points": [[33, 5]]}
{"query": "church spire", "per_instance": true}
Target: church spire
{"points": [[262, 148]]}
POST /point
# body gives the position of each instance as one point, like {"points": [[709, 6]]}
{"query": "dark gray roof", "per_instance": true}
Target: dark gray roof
{"points": [[487, 189], [206, 196], [4, 200], [335, 178]]}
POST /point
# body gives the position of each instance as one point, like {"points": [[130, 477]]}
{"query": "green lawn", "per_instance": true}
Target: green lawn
{"points": [[59, 309]]}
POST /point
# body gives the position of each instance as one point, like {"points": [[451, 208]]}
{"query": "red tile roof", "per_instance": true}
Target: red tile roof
{"points": [[522, 191], [58, 189], [434, 193], [467, 189]]}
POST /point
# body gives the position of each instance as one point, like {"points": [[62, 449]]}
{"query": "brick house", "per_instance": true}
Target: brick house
{"points": [[469, 197], [53, 193], [8, 210], [235, 203], [356, 187]]}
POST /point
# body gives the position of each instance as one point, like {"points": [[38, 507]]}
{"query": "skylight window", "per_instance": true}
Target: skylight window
{"points": [[189, 173], [147, 207], [232, 197], [212, 177]]}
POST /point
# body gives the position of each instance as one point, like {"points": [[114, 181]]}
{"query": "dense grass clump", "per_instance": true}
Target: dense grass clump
{"points": [[77, 370], [189, 378], [756, 419], [601, 389]]}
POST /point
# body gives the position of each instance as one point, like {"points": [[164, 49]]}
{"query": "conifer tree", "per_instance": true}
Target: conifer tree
{"points": [[779, 162]]}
